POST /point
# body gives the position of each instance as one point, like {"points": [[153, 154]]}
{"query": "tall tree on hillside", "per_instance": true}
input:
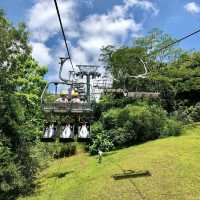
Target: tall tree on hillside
{"points": [[155, 40], [184, 76], [20, 88]]}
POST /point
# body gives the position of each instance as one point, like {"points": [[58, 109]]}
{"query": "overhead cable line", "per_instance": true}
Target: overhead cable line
{"points": [[63, 33], [175, 42], [163, 48]]}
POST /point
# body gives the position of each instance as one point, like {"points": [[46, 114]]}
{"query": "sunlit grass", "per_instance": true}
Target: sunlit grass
{"points": [[174, 164]]}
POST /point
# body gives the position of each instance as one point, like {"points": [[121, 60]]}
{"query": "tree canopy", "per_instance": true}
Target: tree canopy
{"points": [[20, 123], [171, 70]]}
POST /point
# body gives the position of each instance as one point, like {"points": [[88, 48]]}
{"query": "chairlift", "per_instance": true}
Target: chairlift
{"points": [[56, 98], [55, 102], [70, 98]]}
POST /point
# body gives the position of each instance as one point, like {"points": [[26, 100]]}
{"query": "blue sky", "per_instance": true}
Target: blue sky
{"points": [[91, 24]]}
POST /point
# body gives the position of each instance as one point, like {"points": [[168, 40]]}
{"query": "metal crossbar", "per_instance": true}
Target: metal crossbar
{"points": [[88, 68], [67, 107]]}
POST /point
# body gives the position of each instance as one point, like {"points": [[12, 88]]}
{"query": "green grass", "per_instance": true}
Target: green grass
{"points": [[174, 164]]}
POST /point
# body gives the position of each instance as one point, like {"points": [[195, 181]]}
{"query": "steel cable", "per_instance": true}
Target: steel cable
{"points": [[63, 33]]}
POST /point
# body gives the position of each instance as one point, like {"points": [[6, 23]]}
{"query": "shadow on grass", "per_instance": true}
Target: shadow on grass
{"points": [[60, 174], [105, 154], [131, 174]]}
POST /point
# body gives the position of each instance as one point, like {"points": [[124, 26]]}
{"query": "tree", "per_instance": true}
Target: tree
{"points": [[105, 56], [184, 76], [20, 88], [155, 40], [124, 62], [127, 61]]}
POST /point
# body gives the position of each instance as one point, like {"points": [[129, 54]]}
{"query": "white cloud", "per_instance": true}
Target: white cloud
{"points": [[43, 20], [41, 53], [111, 28], [192, 7], [89, 3], [147, 5], [78, 55], [92, 33]]}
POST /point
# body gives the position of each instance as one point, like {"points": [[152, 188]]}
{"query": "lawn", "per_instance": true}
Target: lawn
{"points": [[174, 164]]}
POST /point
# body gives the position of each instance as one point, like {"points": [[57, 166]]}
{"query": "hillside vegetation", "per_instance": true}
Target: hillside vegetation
{"points": [[117, 122], [172, 162]]}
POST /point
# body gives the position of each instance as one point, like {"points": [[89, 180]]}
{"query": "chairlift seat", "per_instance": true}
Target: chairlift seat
{"points": [[67, 108], [80, 107], [61, 107], [50, 96]]}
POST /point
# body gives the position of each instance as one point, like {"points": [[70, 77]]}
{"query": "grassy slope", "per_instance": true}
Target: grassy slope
{"points": [[173, 162]]}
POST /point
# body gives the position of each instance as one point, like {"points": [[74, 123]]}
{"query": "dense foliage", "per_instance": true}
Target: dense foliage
{"points": [[21, 85], [58, 150], [135, 123], [22, 154], [173, 73]]}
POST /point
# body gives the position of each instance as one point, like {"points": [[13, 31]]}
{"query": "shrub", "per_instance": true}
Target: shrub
{"points": [[67, 150], [195, 112], [183, 115], [188, 114], [100, 139], [110, 119], [58, 150], [149, 123], [133, 124], [123, 135], [172, 128], [10, 177]]}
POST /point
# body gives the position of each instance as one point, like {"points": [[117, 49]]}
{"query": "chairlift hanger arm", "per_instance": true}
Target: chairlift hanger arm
{"points": [[43, 93], [62, 62]]}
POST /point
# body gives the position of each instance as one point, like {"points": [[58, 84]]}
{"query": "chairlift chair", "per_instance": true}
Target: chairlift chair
{"points": [[52, 93]]}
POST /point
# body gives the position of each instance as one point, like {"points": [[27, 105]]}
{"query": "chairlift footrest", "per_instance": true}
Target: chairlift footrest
{"points": [[83, 139], [48, 139], [66, 140]]}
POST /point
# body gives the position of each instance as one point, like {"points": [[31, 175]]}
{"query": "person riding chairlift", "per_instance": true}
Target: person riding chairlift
{"points": [[75, 96], [62, 98], [49, 131], [67, 132], [84, 132]]}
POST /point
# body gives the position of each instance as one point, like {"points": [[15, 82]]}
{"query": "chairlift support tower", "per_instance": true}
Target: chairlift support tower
{"points": [[90, 71]]}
